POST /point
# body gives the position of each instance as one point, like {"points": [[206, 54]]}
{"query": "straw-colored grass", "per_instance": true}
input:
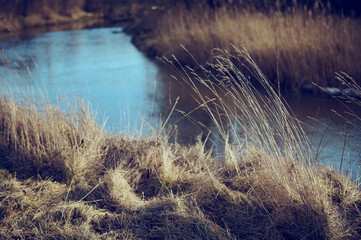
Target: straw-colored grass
{"points": [[39, 139], [88, 184], [298, 46]]}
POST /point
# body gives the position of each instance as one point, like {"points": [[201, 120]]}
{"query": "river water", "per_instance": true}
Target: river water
{"points": [[128, 91]]}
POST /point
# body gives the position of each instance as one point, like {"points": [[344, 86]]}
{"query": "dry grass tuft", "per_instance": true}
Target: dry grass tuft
{"points": [[40, 140], [101, 186]]}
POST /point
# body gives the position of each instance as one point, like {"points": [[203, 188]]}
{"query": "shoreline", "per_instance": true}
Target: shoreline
{"points": [[31, 15], [62, 176], [139, 27], [158, 31]]}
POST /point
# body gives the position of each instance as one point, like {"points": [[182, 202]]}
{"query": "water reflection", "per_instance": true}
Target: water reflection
{"points": [[333, 137], [106, 69], [96, 65]]}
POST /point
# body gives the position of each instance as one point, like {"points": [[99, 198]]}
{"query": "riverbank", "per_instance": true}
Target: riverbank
{"points": [[85, 183], [298, 46], [295, 48], [22, 15], [64, 177]]}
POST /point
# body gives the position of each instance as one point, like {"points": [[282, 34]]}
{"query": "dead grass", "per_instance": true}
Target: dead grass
{"points": [[298, 46], [87, 184], [31, 146]]}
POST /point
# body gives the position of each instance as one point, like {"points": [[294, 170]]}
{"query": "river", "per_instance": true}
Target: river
{"points": [[128, 91]]}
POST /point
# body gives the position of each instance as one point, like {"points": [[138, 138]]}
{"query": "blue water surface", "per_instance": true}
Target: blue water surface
{"points": [[98, 65]]}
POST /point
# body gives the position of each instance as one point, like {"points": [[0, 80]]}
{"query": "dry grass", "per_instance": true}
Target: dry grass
{"points": [[87, 184], [303, 46], [39, 139]]}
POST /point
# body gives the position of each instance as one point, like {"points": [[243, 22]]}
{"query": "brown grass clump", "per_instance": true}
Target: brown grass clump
{"points": [[282, 153], [62, 177], [298, 47], [40, 140]]}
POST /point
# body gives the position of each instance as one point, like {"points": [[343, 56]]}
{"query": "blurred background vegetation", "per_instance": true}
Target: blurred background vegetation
{"points": [[321, 34], [23, 8]]}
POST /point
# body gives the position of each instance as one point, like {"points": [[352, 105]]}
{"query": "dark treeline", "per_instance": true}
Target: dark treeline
{"points": [[20, 14], [62, 7], [29, 13], [26, 7], [343, 7]]}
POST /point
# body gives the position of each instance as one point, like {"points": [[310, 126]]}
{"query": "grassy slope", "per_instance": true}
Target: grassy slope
{"points": [[87, 184], [297, 46]]}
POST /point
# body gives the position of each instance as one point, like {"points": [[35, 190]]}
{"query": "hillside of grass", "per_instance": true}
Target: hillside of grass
{"points": [[295, 47], [63, 177]]}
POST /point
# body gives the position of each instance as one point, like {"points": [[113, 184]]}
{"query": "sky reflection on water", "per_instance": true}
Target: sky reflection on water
{"points": [[96, 65], [103, 67]]}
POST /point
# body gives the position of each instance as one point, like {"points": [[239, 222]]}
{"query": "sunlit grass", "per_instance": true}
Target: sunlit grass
{"points": [[296, 47]]}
